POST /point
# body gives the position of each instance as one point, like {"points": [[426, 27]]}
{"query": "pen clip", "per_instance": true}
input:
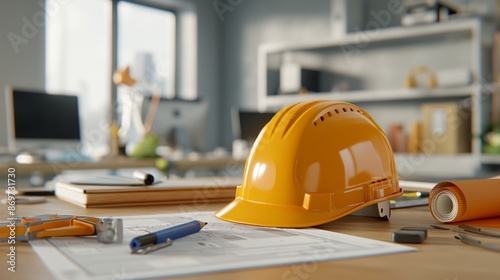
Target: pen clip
{"points": [[146, 249]]}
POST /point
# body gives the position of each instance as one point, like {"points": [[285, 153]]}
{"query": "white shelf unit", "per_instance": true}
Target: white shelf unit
{"points": [[372, 95], [377, 68]]}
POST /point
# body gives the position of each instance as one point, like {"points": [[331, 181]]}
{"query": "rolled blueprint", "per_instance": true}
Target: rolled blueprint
{"points": [[465, 200]]}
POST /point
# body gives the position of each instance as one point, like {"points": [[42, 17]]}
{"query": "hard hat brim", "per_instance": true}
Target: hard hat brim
{"points": [[261, 214]]}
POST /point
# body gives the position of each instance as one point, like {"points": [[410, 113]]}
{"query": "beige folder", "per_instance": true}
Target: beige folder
{"points": [[446, 128]]}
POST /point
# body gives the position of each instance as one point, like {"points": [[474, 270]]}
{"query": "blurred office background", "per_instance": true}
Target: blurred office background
{"points": [[204, 55]]}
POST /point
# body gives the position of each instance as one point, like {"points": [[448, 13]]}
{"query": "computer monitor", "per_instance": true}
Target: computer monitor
{"points": [[248, 124], [184, 125], [38, 122]]}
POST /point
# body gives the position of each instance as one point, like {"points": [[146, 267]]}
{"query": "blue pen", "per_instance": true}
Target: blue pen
{"points": [[163, 236]]}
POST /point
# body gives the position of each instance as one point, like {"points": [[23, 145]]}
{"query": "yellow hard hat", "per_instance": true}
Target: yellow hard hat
{"points": [[314, 162]]}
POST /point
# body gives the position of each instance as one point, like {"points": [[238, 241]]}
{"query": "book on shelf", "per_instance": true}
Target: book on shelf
{"points": [[170, 191]]}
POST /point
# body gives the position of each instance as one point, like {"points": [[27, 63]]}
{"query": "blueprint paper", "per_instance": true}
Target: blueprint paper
{"points": [[219, 246]]}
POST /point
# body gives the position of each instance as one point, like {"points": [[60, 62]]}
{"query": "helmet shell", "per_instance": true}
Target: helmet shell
{"points": [[314, 162]]}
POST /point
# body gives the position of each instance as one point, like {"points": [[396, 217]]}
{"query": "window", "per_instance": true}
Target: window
{"points": [[146, 43], [78, 61], [80, 54]]}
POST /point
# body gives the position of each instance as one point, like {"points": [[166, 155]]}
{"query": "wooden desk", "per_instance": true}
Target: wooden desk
{"points": [[439, 257]]}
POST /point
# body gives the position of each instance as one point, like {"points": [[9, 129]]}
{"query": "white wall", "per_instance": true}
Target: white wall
{"points": [[259, 21], [22, 65]]}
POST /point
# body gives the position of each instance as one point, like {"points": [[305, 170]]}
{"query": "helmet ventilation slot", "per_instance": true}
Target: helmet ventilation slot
{"points": [[329, 114]]}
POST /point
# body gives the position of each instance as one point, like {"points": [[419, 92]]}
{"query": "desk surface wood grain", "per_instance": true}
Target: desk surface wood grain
{"points": [[439, 257]]}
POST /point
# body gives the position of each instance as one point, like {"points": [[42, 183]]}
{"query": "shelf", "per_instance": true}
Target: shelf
{"points": [[436, 166], [490, 159], [378, 65], [470, 27], [387, 34], [373, 95]]}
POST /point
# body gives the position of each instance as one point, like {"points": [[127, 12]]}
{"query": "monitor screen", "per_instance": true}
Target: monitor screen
{"points": [[38, 120], [251, 123]]}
